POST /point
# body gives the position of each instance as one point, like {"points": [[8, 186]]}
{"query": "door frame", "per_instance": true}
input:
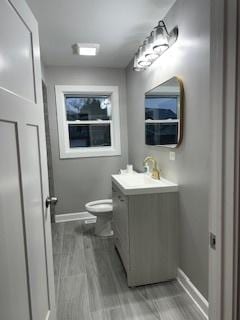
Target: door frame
{"points": [[224, 206], [237, 179]]}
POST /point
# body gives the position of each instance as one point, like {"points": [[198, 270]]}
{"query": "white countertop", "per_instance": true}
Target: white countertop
{"points": [[141, 183]]}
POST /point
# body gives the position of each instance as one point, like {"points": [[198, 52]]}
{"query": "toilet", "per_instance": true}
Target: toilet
{"points": [[102, 209]]}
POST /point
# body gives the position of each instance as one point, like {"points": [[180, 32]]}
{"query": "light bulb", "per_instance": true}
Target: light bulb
{"points": [[143, 61], [136, 66], [160, 38], [149, 53]]}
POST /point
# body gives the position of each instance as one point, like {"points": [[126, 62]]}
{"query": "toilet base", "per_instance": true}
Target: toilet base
{"points": [[103, 227]]}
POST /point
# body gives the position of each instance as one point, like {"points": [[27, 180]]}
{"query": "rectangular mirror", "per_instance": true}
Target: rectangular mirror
{"points": [[164, 114]]}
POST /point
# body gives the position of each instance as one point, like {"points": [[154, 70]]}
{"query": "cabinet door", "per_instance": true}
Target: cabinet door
{"points": [[153, 242]]}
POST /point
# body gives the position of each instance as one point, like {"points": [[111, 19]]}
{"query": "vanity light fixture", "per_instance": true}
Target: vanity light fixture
{"points": [[143, 61], [85, 49], [150, 53], [154, 46]]}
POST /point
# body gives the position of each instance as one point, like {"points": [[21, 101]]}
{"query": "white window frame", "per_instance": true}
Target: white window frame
{"points": [[65, 151]]}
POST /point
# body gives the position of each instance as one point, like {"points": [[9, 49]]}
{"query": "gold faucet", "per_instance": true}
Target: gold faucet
{"points": [[155, 170]]}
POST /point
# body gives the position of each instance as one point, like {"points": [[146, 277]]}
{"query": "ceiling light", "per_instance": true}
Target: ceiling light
{"points": [[149, 53], [154, 46], [160, 38], [85, 49], [143, 61], [136, 66]]}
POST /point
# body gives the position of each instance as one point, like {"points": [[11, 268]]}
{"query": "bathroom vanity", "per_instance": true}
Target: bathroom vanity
{"points": [[145, 227]]}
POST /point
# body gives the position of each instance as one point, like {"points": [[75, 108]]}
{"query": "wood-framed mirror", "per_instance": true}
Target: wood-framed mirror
{"points": [[164, 114]]}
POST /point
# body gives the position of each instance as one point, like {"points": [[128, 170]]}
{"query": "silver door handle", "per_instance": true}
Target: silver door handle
{"points": [[51, 201]]}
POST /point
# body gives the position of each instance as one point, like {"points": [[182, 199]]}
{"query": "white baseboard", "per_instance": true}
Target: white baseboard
{"points": [[83, 216], [193, 292]]}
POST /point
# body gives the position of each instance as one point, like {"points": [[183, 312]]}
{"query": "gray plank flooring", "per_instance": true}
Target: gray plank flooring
{"points": [[90, 282]]}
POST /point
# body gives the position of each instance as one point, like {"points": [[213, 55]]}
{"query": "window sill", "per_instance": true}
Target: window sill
{"points": [[90, 153]]}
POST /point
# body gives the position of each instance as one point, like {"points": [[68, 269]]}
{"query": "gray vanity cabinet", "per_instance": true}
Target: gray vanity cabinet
{"points": [[145, 233]]}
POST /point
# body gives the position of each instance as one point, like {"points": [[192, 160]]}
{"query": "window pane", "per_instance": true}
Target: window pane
{"points": [[88, 108], [161, 134], [161, 108], [89, 135]]}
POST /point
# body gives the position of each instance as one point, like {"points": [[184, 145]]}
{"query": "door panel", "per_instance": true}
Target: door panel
{"points": [[13, 271], [35, 227], [16, 54]]}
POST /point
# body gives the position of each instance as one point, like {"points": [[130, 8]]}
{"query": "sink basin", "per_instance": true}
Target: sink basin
{"points": [[140, 183], [136, 180]]}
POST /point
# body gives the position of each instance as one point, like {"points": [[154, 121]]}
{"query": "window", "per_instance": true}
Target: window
{"points": [[88, 121]]}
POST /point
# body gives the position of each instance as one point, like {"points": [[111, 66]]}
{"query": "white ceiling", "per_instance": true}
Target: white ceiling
{"points": [[119, 26]]}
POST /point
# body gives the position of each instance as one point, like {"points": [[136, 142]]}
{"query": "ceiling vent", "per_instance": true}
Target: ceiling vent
{"points": [[85, 49]]}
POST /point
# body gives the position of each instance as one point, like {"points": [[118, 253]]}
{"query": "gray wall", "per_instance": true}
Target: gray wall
{"points": [[189, 60], [79, 180]]}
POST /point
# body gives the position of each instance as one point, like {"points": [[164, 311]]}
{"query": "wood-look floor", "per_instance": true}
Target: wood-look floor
{"points": [[90, 283]]}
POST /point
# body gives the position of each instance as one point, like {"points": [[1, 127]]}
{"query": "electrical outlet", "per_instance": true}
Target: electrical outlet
{"points": [[172, 155]]}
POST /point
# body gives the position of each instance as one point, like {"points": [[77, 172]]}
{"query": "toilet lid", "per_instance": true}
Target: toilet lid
{"points": [[99, 206]]}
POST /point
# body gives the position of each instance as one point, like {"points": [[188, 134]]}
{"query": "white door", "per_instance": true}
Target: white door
{"points": [[26, 266]]}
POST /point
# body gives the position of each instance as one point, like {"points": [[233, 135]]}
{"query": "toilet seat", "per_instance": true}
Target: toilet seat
{"points": [[99, 206]]}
